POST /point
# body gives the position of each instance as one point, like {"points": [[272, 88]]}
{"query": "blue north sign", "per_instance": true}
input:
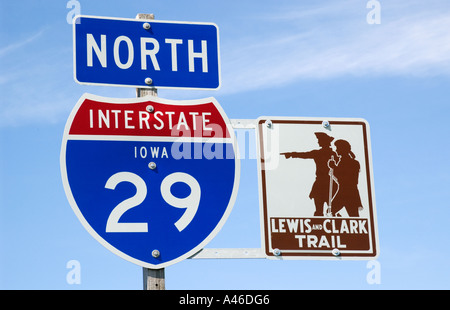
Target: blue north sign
{"points": [[146, 53]]}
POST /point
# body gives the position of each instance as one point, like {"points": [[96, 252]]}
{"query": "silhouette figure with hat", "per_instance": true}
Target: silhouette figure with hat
{"points": [[321, 190]]}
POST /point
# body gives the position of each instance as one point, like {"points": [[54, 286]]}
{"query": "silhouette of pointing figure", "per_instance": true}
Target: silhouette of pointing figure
{"points": [[320, 191], [346, 172]]}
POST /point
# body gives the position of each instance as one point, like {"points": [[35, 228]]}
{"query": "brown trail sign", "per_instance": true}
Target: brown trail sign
{"points": [[316, 188]]}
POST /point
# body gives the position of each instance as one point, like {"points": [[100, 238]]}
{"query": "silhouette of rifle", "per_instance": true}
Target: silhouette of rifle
{"points": [[330, 193]]}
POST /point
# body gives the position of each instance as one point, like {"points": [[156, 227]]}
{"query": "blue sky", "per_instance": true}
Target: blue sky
{"points": [[283, 58]]}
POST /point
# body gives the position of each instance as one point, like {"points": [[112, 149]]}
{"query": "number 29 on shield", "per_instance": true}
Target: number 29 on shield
{"points": [[190, 203]]}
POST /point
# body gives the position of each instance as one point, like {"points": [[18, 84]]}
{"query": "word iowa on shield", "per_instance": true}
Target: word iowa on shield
{"points": [[153, 180]]}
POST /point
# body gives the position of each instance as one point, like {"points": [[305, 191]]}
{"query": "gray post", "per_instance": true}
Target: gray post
{"points": [[154, 279]]}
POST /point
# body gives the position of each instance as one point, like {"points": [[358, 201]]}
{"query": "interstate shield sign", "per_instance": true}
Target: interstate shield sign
{"points": [[153, 180]]}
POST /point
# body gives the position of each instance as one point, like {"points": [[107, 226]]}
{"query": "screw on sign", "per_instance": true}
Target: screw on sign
{"points": [[152, 180]]}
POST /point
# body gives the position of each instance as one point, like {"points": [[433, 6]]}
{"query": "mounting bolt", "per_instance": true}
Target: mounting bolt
{"points": [[150, 108], [276, 252], [146, 26], [336, 252], [269, 123], [326, 124], [152, 165], [148, 81], [155, 253]]}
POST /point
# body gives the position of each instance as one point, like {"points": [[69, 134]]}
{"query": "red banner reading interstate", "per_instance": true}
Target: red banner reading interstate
{"points": [[149, 119]]}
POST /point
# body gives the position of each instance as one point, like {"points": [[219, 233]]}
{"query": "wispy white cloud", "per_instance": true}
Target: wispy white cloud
{"points": [[32, 77], [336, 40], [17, 45], [9, 72]]}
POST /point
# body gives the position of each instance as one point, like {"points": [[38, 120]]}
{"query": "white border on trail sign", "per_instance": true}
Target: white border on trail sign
{"points": [[290, 226]]}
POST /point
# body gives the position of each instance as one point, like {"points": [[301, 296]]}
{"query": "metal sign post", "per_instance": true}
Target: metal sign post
{"points": [[153, 279]]}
